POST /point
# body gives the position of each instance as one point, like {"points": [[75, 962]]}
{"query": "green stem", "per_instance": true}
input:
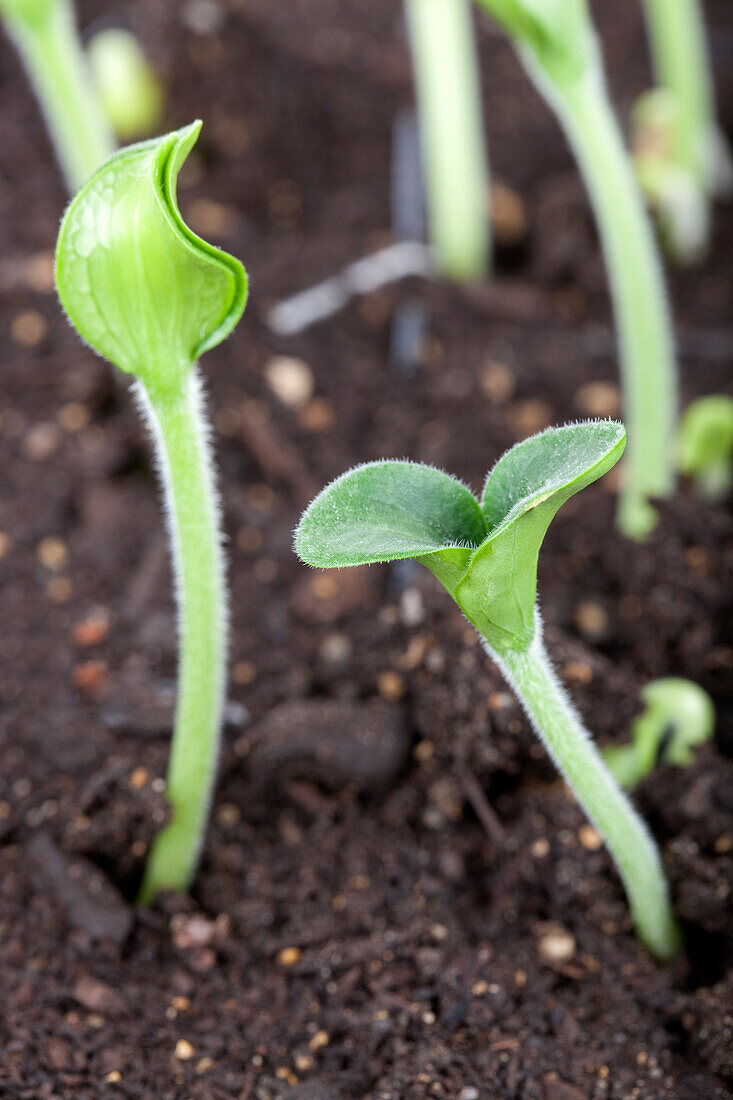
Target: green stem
{"points": [[448, 92], [186, 469], [679, 50], [50, 48], [559, 726], [639, 296]]}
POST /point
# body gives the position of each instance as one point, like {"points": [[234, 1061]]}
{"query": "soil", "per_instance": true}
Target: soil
{"points": [[397, 898]]}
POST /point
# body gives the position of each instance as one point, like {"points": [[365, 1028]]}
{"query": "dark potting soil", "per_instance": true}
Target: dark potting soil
{"points": [[397, 899]]}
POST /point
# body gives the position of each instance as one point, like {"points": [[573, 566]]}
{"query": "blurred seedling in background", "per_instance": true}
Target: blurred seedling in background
{"points": [[706, 445], [149, 295], [130, 92], [560, 50], [681, 155], [678, 716], [485, 553], [45, 34], [675, 196], [452, 139]]}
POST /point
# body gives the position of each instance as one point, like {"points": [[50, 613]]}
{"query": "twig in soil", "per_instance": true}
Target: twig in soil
{"points": [[388, 265], [146, 580], [562, 55], [485, 553], [484, 812], [409, 319], [151, 296], [407, 337], [407, 193]]}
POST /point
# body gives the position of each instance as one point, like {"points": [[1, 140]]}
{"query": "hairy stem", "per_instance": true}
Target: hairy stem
{"points": [[558, 725], [639, 296], [58, 71], [448, 92], [186, 469], [679, 51]]}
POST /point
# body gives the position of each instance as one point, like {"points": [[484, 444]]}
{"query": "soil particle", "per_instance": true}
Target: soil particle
{"points": [[98, 997], [88, 899], [334, 741], [312, 1090], [415, 886], [709, 1019]]}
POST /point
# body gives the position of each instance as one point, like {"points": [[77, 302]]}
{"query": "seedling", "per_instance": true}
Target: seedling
{"points": [[454, 160], [44, 32], [130, 92], [558, 45], [151, 296], [485, 554], [678, 716], [673, 192], [684, 157], [706, 445]]}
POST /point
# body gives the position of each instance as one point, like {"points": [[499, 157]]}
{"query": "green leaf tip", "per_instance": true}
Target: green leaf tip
{"points": [[547, 464], [139, 286], [485, 554]]}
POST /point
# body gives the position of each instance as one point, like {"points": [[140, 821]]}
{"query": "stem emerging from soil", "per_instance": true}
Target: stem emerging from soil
{"points": [[454, 160], [58, 70], [558, 725], [186, 469], [639, 296]]}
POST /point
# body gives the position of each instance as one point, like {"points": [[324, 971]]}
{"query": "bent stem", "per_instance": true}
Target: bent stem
{"points": [[186, 471], [58, 70], [558, 724], [639, 297], [448, 92]]}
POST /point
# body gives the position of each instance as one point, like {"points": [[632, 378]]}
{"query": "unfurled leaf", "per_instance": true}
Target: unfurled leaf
{"points": [[386, 511], [487, 559], [521, 496], [547, 469]]}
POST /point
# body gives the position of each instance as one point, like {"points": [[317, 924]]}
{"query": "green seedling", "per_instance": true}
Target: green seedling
{"points": [[679, 51], [557, 43], [673, 192], [44, 32], [485, 553], [454, 159], [151, 296], [706, 445], [129, 90], [678, 716]]}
